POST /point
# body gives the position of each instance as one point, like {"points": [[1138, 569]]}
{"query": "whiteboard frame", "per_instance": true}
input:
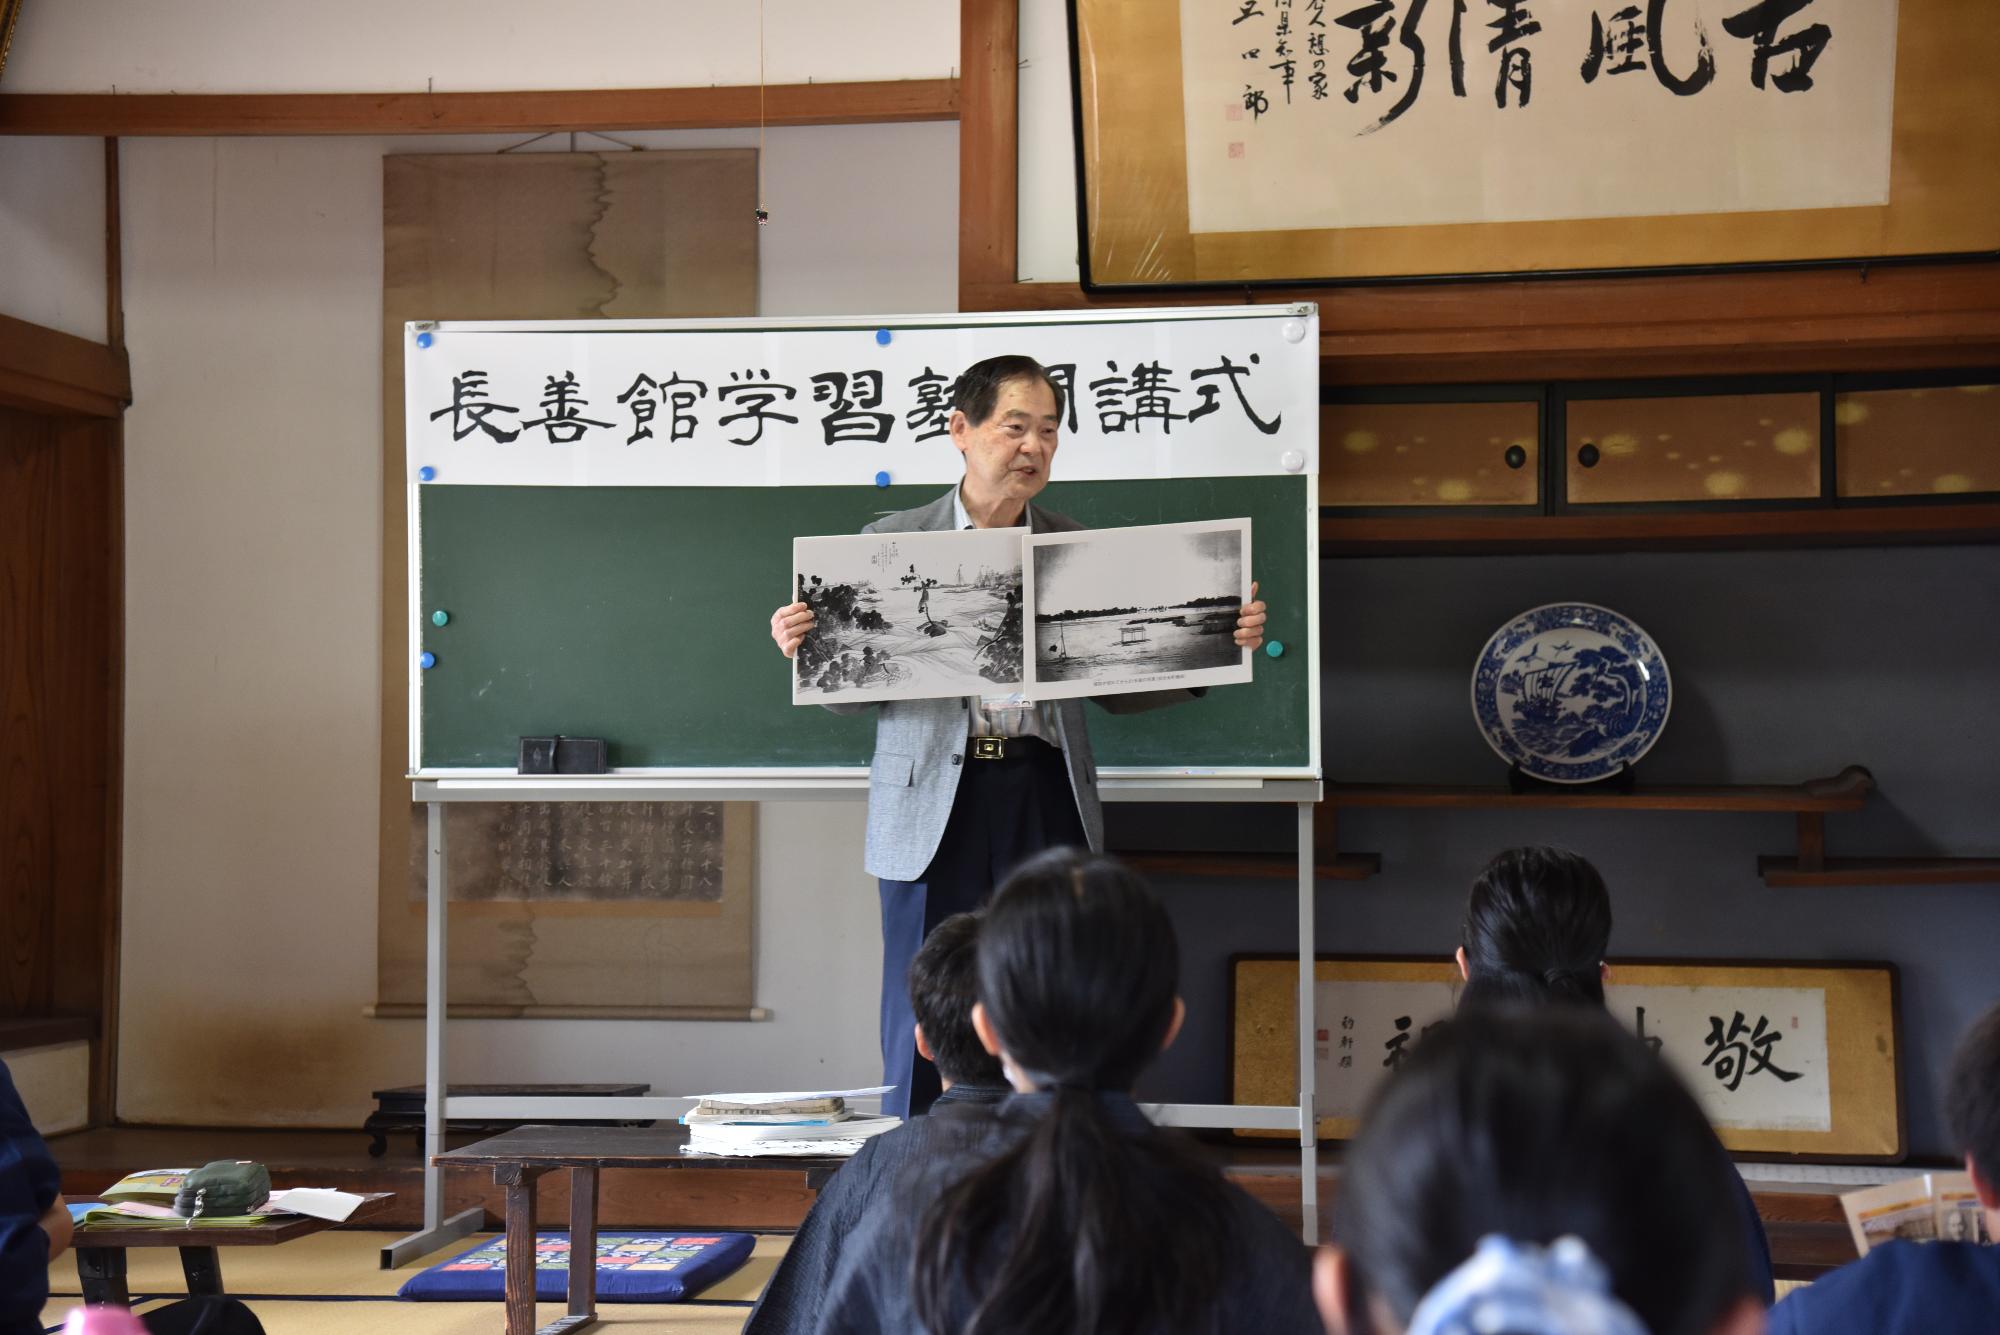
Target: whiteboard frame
{"points": [[814, 780]]}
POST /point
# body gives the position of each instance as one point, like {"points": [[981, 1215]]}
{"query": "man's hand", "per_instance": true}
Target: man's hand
{"points": [[56, 1223], [790, 623], [1250, 624]]}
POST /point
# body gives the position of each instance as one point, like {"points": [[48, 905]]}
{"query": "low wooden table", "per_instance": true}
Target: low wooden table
{"points": [[520, 1157], [100, 1248]]}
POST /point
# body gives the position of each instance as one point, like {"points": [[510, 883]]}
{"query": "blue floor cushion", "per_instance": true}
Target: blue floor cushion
{"points": [[631, 1268]]}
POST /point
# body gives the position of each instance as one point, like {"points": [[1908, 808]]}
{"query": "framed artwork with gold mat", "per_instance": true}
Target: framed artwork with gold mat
{"points": [[1234, 142], [1787, 1059], [10, 14]]}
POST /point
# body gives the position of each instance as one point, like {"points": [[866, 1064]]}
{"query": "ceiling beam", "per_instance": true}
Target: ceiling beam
{"points": [[137, 115]]}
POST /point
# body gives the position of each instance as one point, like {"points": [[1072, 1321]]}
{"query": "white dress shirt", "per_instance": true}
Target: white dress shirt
{"points": [[1006, 715]]}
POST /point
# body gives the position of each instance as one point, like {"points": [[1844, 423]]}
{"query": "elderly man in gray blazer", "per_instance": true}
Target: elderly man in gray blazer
{"points": [[960, 790]]}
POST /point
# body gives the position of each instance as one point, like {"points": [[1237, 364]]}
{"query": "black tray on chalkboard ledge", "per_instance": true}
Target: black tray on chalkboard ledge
{"points": [[1520, 781]]}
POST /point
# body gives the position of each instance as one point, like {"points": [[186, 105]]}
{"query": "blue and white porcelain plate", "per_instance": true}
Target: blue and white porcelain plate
{"points": [[1572, 692]]}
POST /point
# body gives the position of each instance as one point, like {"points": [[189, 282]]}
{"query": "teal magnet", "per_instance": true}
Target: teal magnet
{"points": [[427, 660], [1276, 649], [440, 617]]}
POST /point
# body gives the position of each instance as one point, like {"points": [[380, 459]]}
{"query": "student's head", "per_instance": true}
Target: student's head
{"points": [[1536, 927], [1090, 1221], [1079, 973], [1532, 1124], [943, 980], [1972, 1105], [1004, 420]]}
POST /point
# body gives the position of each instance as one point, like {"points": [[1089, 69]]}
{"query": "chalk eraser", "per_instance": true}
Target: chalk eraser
{"points": [[538, 756], [580, 755]]}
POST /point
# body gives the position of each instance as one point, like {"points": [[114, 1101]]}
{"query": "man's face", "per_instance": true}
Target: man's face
{"points": [[1008, 455]]}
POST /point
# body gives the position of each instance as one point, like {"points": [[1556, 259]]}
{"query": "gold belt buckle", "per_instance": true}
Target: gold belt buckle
{"points": [[989, 748]]}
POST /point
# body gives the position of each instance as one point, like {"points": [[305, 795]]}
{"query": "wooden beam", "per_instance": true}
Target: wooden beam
{"points": [[989, 42], [44, 370], [104, 1060], [114, 250], [1701, 530], [523, 112], [1899, 317]]}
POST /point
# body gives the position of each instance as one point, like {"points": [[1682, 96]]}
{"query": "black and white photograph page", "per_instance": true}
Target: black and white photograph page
{"points": [[1117, 610], [908, 616]]}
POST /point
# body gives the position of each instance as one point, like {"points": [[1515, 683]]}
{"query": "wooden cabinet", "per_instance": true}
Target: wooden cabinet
{"points": [[1739, 461], [1917, 440], [1470, 453], [1691, 447]]}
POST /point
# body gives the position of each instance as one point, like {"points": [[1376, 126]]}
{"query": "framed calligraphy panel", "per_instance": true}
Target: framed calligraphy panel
{"points": [[1786, 1059], [1263, 141]]}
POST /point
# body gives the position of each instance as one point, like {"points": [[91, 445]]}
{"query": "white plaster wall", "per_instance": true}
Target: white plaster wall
{"points": [[285, 46], [1046, 151], [54, 1084], [253, 304], [52, 233]]}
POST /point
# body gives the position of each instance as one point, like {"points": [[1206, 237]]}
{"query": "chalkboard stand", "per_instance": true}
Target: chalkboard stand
{"points": [[435, 791]]}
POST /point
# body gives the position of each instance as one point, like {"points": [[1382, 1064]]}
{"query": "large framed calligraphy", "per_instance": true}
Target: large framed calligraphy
{"points": [[1788, 1059], [10, 14], [1230, 142]]}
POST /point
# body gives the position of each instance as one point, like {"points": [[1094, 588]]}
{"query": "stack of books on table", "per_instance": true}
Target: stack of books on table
{"points": [[797, 1124], [147, 1198], [1923, 1207]]}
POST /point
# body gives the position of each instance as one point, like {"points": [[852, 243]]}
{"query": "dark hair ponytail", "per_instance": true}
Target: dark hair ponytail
{"points": [[1083, 1225], [1536, 927], [1535, 1123]]}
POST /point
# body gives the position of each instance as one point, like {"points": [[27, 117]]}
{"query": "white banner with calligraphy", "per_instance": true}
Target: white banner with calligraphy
{"points": [[1207, 392], [1392, 113], [1754, 1057]]}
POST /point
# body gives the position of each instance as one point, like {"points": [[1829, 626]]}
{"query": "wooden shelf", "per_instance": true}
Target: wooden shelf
{"points": [[1704, 530], [41, 1031], [1255, 866], [1845, 791], [1808, 802], [1786, 871]]}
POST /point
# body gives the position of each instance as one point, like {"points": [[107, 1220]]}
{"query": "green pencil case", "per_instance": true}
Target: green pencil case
{"points": [[224, 1187]]}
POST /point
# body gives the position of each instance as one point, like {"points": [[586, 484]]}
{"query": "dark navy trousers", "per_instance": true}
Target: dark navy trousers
{"points": [[1005, 811]]}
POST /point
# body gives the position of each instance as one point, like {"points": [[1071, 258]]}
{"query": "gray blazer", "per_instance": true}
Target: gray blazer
{"points": [[920, 744]]}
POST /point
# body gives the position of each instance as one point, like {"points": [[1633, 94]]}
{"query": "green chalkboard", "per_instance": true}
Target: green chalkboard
{"points": [[641, 615]]}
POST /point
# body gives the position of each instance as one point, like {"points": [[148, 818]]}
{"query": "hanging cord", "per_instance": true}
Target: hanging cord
{"points": [[763, 214]]}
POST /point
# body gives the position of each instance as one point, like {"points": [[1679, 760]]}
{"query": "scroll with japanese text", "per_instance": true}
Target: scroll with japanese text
{"points": [[1230, 141], [1784, 1058]]}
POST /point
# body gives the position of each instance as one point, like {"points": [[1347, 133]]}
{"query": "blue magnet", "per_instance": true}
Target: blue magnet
{"points": [[426, 473], [882, 478], [424, 339], [427, 659], [882, 336], [1276, 649], [439, 617]]}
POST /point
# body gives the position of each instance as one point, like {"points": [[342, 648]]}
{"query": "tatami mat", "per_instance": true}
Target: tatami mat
{"points": [[282, 1282]]}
